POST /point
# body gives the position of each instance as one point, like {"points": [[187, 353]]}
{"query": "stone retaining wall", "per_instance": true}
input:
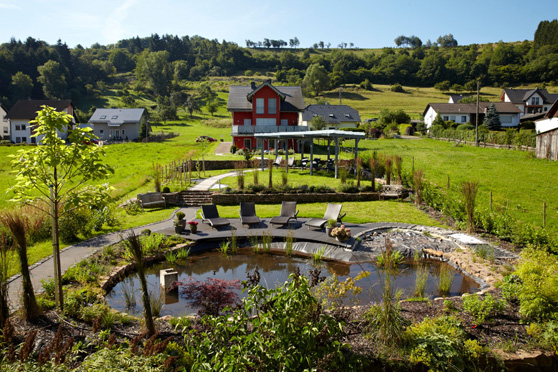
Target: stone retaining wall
{"points": [[234, 199]]}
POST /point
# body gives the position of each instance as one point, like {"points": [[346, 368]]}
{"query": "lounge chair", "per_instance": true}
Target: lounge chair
{"points": [[291, 161], [211, 215], [333, 212], [278, 160], [288, 213], [248, 214]]}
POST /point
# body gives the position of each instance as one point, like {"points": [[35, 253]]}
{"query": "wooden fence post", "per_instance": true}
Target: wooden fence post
{"points": [[448, 182], [544, 214]]}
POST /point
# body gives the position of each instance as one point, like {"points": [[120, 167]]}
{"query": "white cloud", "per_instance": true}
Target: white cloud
{"points": [[114, 29]]}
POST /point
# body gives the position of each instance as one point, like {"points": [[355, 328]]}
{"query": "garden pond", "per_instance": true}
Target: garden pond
{"points": [[274, 270]]}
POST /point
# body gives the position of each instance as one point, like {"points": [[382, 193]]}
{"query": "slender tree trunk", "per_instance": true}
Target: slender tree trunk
{"points": [[58, 294]]}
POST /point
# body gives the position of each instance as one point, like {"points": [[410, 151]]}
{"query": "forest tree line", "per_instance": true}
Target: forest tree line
{"points": [[35, 69]]}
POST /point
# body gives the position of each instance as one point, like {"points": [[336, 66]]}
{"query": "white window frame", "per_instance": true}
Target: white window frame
{"points": [[23, 127], [18, 127], [6, 130], [446, 118], [452, 118], [535, 100], [463, 118], [101, 132], [260, 106]]}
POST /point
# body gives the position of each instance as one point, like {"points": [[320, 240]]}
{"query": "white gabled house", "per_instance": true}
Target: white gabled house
{"points": [[118, 124], [529, 101], [463, 113], [25, 111]]}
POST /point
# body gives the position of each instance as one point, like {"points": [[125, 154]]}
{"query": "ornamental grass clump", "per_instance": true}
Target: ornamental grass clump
{"points": [[373, 170], [418, 183], [420, 280], [389, 169], [469, 190], [445, 279], [399, 168]]}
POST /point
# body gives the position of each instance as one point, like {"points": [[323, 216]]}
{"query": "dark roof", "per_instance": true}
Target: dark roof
{"points": [[471, 108], [238, 98], [552, 111], [3, 107], [27, 109], [265, 84], [519, 96], [117, 116], [333, 114], [533, 117], [458, 97]]}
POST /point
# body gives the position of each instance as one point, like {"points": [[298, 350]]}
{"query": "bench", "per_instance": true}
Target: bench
{"points": [[391, 190], [151, 200]]}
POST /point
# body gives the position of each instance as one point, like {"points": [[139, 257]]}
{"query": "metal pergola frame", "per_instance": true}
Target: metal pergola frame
{"points": [[329, 134]]}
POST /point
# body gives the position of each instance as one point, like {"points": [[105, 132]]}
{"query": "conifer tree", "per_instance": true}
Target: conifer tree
{"points": [[492, 118]]}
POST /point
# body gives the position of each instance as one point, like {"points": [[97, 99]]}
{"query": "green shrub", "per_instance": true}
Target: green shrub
{"points": [[74, 224], [480, 309], [78, 301], [348, 187], [397, 88], [465, 127], [292, 331], [166, 189], [546, 334], [233, 149], [536, 285], [441, 345]]}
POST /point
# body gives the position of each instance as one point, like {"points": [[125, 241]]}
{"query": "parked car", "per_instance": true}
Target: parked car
{"points": [[205, 138]]}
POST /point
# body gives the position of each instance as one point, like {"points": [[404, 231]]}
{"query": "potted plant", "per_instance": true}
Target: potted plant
{"points": [[180, 220], [178, 228], [193, 227], [341, 233], [331, 223]]}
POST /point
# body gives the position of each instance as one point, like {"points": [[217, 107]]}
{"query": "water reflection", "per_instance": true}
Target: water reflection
{"points": [[274, 270]]}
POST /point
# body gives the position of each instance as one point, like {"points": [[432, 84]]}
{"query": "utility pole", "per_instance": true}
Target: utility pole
{"points": [[340, 91], [477, 118]]}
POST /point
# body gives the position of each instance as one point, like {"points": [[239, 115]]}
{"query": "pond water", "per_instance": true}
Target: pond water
{"points": [[274, 270]]}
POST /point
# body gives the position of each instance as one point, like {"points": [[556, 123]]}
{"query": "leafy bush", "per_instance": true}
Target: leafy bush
{"points": [[440, 344], [398, 88], [465, 127], [233, 149], [77, 300], [546, 334], [482, 309], [292, 332], [74, 224], [166, 189], [535, 285], [348, 187]]}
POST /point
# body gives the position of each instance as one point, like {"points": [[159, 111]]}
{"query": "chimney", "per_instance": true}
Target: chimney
{"points": [[253, 85]]}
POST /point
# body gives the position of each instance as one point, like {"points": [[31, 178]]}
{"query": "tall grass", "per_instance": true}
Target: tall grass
{"points": [[254, 242], [386, 325], [358, 169], [225, 247], [373, 170], [399, 168], [343, 175], [128, 293], [170, 257], [389, 169], [318, 255], [266, 241], [156, 303], [256, 176], [420, 280], [270, 167], [183, 253], [157, 177], [418, 183], [289, 244], [445, 279], [284, 178], [469, 190], [240, 177]]}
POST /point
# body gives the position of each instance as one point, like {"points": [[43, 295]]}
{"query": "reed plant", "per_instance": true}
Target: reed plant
{"points": [[389, 169], [270, 167], [418, 183], [234, 242], [319, 254], [343, 175], [256, 176], [358, 170], [16, 224], [398, 160], [156, 303], [183, 253], [254, 242], [170, 257], [225, 247], [240, 177], [157, 177], [128, 293], [284, 178], [469, 189], [445, 279], [289, 244], [386, 325], [373, 170], [420, 280], [266, 241]]}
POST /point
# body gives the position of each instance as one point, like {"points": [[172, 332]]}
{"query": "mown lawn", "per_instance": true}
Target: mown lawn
{"points": [[357, 212]]}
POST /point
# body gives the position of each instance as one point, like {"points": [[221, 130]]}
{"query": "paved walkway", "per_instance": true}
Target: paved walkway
{"points": [[44, 270], [223, 148], [209, 182]]}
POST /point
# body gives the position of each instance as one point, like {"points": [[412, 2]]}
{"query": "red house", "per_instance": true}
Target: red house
{"points": [[264, 109]]}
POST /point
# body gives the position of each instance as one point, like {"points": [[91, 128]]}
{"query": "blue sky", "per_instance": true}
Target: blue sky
{"points": [[367, 24]]}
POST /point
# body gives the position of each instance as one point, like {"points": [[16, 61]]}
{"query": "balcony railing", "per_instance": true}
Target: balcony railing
{"points": [[252, 129]]}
